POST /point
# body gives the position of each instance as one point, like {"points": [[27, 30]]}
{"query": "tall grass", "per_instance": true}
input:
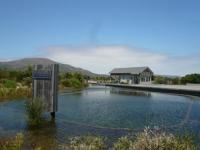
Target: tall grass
{"points": [[146, 140], [11, 93], [34, 109], [150, 140], [14, 143]]}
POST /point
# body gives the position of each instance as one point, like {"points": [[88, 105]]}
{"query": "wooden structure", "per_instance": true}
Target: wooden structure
{"points": [[45, 86], [134, 75]]}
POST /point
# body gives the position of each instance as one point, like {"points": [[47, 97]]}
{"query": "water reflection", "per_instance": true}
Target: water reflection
{"points": [[129, 92], [110, 112]]}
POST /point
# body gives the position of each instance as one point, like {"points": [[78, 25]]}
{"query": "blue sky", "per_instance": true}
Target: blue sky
{"points": [[166, 28]]}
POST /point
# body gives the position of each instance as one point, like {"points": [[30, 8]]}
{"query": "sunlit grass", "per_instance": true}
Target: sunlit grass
{"points": [[151, 140], [84, 143], [12, 93]]}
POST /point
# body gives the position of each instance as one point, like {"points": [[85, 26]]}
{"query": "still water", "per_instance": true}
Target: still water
{"points": [[104, 111]]}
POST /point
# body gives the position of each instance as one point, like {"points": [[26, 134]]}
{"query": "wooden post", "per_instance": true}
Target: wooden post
{"points": [[45, 86]]}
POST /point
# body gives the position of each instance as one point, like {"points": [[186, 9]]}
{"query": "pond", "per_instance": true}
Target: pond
{"points": [[104, 111]]}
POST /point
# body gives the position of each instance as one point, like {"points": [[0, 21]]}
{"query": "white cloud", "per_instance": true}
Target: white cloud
{"points": [[102, 59]]}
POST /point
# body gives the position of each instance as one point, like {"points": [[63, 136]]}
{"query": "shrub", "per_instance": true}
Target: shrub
{"points": [[123, 143], [35, 108], [191, 78], [149, 140], [15, 143], [73, 80], [9, 84], [66, 83]]}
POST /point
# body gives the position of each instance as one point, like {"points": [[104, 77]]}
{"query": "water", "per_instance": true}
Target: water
{"points": [[104, 111]]}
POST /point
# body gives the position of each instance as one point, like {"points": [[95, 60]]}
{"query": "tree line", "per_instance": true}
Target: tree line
{"points": [[190, 78]]}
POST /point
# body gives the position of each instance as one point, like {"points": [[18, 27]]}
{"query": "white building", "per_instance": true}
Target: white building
{"points": [[133, 75]]}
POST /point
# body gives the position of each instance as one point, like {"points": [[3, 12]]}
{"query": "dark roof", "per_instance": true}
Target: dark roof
{"points": [[131, 70]]}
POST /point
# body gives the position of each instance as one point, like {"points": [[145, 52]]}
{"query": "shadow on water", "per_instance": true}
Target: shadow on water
{"points": [[121, 91]]}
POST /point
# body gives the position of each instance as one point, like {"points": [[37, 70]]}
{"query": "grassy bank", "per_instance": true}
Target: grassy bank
{"points": [[72, 81], [14, 93], [146, 140], [17, 84]]}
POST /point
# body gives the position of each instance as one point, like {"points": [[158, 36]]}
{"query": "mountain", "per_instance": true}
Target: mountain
{"points": [[24, 63]]}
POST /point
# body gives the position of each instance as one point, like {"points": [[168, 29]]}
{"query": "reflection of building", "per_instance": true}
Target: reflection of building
{"points": [[130, 92], [134, 75]]}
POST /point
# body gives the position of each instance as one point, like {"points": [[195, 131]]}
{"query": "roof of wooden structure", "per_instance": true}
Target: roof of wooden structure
{"points": [[130, 70]]}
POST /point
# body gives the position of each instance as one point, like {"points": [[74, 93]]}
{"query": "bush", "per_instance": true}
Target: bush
{"points": [[73, 80], [9, 84], [66, 83], [35, 108], [191, 78], [149, 140]]}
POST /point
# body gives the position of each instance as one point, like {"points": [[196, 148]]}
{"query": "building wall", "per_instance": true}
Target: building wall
{"points": [[143, 78]]}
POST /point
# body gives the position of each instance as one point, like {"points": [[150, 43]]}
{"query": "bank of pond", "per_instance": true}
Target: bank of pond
{"points": [[101, 117]]}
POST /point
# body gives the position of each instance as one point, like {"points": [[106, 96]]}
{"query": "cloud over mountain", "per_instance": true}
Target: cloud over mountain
{"points": [[102, 59]]}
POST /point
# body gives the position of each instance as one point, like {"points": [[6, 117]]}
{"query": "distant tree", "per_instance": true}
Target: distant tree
{"points": [[176, 81], [160, 80], [191, 78]]}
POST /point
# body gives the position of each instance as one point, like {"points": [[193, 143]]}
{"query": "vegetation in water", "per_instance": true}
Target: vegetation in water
{"points": [[13, 143], [35, 108], [146, 140], [85, 143]]}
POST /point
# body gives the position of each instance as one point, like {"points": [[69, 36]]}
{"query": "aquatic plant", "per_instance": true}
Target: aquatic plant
{"points": [[14, 143], [151, 140], [85, 143], [35, 108]]}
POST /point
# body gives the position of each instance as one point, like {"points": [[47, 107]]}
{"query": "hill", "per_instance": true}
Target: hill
{"points": [[22, 64]]}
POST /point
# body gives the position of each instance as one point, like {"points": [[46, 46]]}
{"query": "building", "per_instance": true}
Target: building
{"points": [[133, 75]]}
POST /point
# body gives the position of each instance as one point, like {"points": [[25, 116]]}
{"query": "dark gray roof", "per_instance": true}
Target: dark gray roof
{"points": [[131, 70]]}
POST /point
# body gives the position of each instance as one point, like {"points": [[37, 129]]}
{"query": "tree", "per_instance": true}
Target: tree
{"points": [[191, 78]]}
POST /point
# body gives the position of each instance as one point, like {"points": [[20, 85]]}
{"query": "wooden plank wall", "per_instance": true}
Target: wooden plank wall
{"points": [[47, 89]]}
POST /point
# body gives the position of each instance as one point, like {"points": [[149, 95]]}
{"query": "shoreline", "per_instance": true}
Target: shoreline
{"points": [[176, 89]]}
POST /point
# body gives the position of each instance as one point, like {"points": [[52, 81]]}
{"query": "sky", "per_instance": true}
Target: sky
{"points": [[100, 35]]}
